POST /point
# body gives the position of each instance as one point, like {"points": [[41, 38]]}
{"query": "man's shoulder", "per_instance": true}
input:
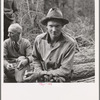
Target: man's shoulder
{"points": [[41, 36], [69, 38], [72, 41], [7, 40], [24, 40]]}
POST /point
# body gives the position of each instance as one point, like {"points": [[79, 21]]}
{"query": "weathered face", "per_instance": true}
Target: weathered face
{"points": [[54, 28], [13, 34]]}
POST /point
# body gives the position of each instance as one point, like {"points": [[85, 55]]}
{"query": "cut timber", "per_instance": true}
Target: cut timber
{"points": [[85, 80], [81, 71]]}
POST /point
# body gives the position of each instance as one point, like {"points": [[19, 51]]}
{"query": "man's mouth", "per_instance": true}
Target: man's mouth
{"points": [[54, 33]]}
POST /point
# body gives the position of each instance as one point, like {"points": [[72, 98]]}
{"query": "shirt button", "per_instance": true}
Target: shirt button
{"points": [[50, 59]]}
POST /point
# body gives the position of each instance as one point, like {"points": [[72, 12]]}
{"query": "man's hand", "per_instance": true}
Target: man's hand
{"points": [[47, 78], [57, 79], [20, 58], [10, 66], [31, 76], [22, 64]]}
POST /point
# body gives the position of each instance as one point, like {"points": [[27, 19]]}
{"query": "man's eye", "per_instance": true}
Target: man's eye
{"points": [[57, 26], [11, 33], [51, 26]]}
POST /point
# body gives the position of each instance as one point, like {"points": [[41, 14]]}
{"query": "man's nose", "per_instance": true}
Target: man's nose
{"points": [[54, 29], [8, 34]]}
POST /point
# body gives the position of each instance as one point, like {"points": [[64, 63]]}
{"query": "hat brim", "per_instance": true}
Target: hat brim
{"points": [[46, 19]]}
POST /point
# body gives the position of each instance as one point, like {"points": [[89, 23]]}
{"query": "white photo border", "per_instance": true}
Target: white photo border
{"points": [[60, 91]]}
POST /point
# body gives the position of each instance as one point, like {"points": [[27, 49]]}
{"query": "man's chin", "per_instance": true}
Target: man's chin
{"points": [[55, 36], [12, 39]]}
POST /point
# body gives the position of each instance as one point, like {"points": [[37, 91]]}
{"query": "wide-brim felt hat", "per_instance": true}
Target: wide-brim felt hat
{"points": [[54, 13]]}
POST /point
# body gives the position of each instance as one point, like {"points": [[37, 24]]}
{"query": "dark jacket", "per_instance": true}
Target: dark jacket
{"points": [[10, 7]]}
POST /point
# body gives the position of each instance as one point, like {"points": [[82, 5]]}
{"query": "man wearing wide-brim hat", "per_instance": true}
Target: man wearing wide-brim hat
{"points": [[53, 52]]}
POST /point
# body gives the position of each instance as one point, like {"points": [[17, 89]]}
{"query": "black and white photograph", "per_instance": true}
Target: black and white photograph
{"points": [[49, 42]]}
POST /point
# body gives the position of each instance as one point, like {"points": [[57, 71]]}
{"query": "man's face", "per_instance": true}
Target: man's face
{"points": [[54, 28], [13, 34]]}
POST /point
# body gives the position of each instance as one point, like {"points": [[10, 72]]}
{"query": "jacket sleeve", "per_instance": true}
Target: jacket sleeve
{"points": [[14, 6], [66, 63], [28, 49], [15, 10], [35, 58], [5, 54]]}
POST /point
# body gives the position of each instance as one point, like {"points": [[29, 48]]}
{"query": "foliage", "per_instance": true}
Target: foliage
{"points": [[83, 31], [79, 12], [30, 12]]}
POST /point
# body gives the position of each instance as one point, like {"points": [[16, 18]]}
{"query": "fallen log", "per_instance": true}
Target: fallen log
{"points": [[81, 71], [85, 55], [85, 80]]}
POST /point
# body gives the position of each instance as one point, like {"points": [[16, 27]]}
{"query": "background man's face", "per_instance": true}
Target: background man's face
{"points": [[13, 34], [54, 28]]}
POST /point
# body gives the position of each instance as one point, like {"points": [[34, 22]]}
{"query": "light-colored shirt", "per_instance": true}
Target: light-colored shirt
{"points": [[57, 59]]}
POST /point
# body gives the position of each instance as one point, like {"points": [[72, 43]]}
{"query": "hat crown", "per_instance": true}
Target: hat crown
{"points": [[55, 13]]}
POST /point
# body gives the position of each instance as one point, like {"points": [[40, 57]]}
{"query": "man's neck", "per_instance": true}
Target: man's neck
{"points": [[54, 39]]}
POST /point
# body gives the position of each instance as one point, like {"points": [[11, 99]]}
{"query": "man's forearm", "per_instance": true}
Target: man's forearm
{"points": [[29, 59], [59, 72]]}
